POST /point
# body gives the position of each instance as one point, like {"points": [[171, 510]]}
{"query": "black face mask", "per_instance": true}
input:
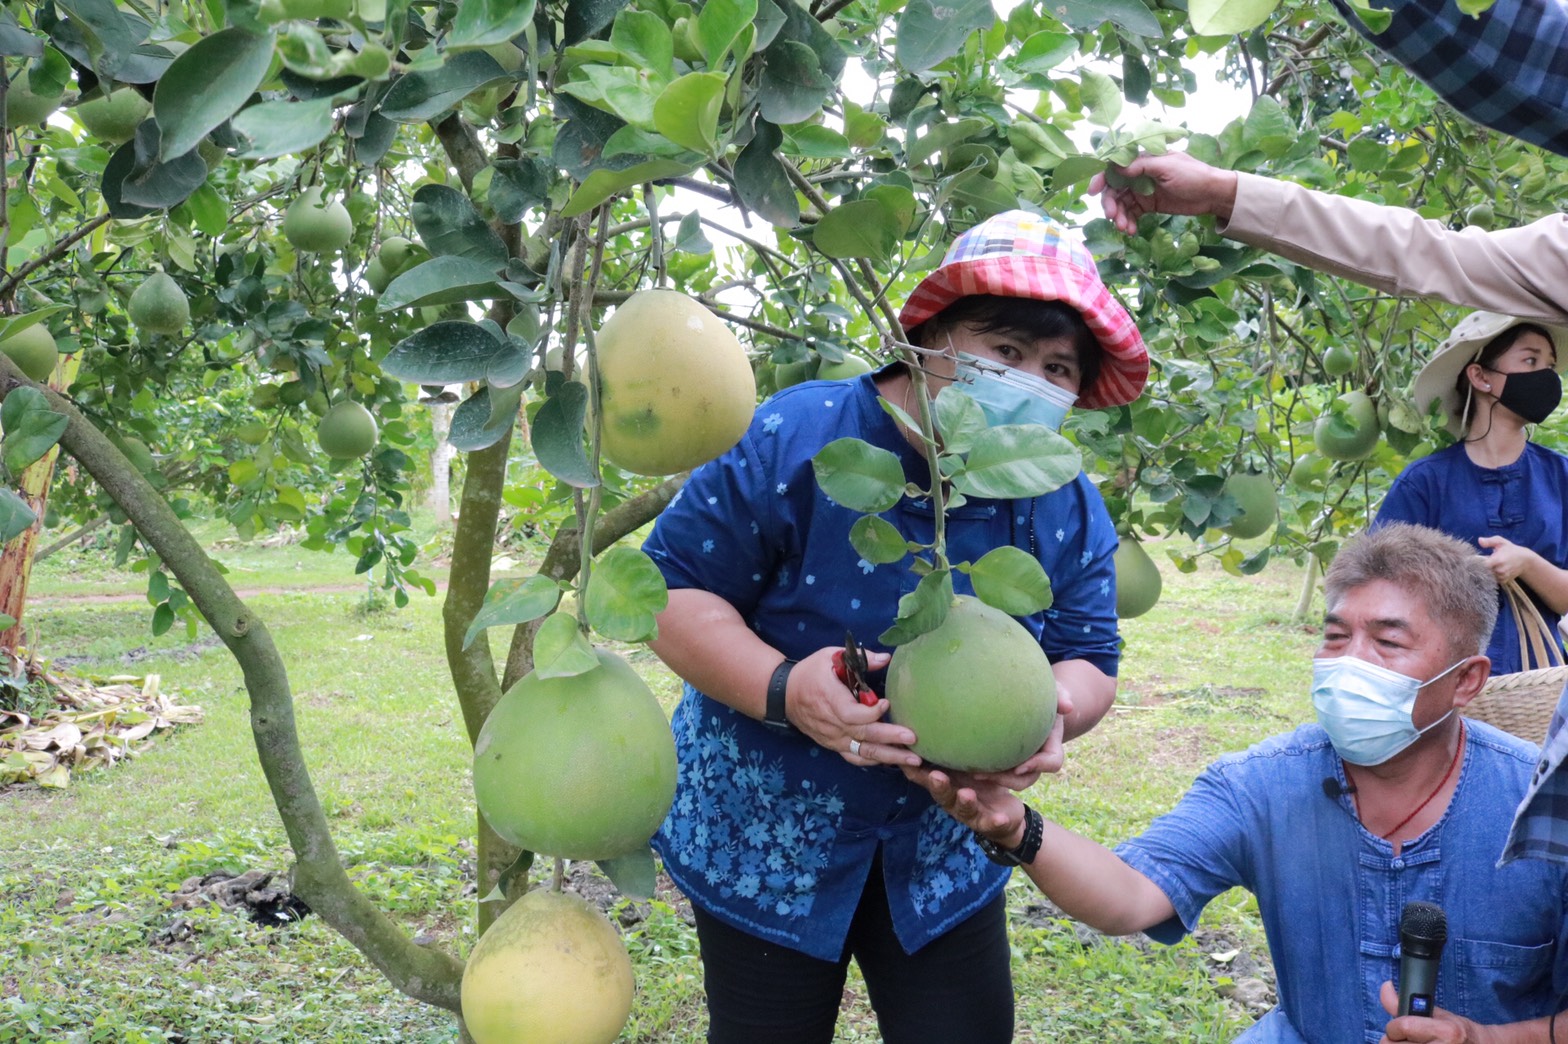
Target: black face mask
{"points": [[1532, 394]]}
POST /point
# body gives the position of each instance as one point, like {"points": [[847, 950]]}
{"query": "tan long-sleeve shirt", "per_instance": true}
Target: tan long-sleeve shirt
{"points": [[1521, 272]]}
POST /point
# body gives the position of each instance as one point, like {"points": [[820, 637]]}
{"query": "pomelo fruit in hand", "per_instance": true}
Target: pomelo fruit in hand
{"points": [[159, 306], [581, 767], [675, 386], [1138, 580], [1259, 505], [115, 116], [33, 351], [978, 690], [550, 969], [313, 226], [347, 431]]}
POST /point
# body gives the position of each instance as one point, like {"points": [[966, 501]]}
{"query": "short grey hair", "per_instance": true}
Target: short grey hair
{"points": [[1452, 581]]}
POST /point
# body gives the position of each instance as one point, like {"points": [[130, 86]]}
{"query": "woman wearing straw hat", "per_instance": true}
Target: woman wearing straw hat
{"points": [[1496, 375], [794, 834]]}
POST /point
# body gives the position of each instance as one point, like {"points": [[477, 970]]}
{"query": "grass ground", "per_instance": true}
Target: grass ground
{"points": [[93, 948]]}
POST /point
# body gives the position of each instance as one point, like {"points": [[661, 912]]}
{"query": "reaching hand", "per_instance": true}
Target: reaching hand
{"points": [[1507, 559], [1182, 184], [1444, 1027], [989, 809], [822, 707], [1048, 758]]}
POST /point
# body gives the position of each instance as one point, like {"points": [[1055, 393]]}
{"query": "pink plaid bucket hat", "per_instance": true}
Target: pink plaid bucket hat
{"points": [[1019, 254]]}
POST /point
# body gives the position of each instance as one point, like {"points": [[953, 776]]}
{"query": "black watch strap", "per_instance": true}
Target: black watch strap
{"points": [[774, 714], [1028, 848]]}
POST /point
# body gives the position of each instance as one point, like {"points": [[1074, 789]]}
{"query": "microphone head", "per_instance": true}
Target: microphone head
{"points": [[1423, 929]]}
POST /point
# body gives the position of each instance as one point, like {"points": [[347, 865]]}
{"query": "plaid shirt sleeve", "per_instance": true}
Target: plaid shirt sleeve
{"points": [[1506, 69], [1540, 829]]}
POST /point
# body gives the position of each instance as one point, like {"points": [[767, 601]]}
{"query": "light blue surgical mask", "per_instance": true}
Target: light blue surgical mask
{"points": [[1009, 396], [1366, 709]]}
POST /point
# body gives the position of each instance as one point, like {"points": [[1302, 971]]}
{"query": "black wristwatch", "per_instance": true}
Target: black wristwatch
{"points": [[1028, 848], [773, 716]]}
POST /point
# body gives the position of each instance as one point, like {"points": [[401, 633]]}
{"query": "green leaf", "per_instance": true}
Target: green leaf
{"points": [[449, 224], [928, 35], [689, 237], [1100, 96], [645, 38], [860, 228], [877, 540], [484, 418], [7, 621], [858, 475], [503, 883], [111, 35], [602, 184], [1132, 15], [206, 85], [817, 142], [1267, 127], [1012, 580], [158, 587], [279, 128], [1018, 460], [687, 111], [441, 280], [959, 419], [760, 180], [625, 593], [1075, 169], [561, 650], [921, 610], [208, 210], [517, 185], [632, 874], [514, 601], [448, 352], [417, 96], [162, 619], [1228, 17], [140, 180], [479, 23], [719, 25], [1377, 19], [944, 136], [1039, 144], [794, 86], [31, 429], [557, 435], [15, 515]]}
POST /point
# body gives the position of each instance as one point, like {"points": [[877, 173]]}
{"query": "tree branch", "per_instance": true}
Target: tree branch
{"points": [[15, 279]]}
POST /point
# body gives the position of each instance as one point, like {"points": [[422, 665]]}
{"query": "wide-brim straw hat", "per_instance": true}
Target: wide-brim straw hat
{"points": [[1439, 378], [1019, 254]]}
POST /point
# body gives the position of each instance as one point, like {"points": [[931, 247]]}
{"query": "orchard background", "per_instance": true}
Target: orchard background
{"points": [[508, 173]]}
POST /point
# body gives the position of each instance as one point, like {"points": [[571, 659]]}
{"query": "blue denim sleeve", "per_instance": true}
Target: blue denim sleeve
{"points": [[1193, 852], [1081, 623], [718, 531]]}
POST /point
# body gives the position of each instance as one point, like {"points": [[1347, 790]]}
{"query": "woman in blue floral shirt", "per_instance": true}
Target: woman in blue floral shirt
{"points": [[794, 834]]}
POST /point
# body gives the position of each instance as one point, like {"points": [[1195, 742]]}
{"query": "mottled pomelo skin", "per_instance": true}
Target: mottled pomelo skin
{"points": [[675, 386], [550, 969], [315, 226], [347, 431], [33, 350], [1138, 580], [115, 116], [159, 306], [978, 690], [580, 767], [1259, 505]]}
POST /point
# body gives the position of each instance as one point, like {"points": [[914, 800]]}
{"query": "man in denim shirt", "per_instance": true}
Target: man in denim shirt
{"points": [[1390, 797]]}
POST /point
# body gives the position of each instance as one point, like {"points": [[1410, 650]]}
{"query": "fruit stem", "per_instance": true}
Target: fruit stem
{"points": [[582, 296], [558, 877]]}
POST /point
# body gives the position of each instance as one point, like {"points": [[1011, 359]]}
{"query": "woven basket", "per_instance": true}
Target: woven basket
{"points": [[1523, 703]]}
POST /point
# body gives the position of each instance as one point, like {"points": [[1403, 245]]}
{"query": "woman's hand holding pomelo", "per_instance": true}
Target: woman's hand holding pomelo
{"points": [[1049, 758], [822, 707]]}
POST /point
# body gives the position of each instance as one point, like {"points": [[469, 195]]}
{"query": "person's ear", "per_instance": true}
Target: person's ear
{"points": [[1470, 680], [1478, 378]]}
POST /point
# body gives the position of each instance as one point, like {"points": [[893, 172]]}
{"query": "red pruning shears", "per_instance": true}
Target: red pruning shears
{"points": [[849, 663]]}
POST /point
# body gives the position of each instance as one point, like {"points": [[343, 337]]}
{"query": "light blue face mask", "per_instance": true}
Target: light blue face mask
{"points": [[1366, 709], [1010, 396]]}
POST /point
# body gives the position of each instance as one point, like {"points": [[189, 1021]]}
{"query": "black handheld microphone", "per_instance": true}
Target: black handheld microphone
{"points": [[1423, 929]]}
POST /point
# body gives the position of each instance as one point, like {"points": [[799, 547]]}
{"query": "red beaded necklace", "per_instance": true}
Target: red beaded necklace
{"points": [[1458, 749]]}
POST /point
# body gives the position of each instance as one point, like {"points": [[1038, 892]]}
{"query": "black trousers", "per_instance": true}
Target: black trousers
{"points": [[956, 988]]}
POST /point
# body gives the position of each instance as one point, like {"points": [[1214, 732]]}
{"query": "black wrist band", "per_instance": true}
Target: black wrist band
{"points": [[774, 714], [1028, 846]]}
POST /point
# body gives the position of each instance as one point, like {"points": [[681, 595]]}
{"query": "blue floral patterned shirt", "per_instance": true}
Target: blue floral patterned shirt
{"points": [[770, 832]]}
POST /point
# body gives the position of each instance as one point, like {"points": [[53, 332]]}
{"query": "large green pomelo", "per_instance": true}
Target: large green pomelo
{"points": [[978, 690], [1338, 360], [23, 106], [675, 386], [851, 366], [1259, 505], [314, 227], [787, 375], [580, 767], [347, 431], [33, 350], [115, 116], [1138, 580], [550, 969], [159, 306], [1351, 436]]}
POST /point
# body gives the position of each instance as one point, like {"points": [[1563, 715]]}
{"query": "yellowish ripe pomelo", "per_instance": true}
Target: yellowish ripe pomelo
{"points": [[347, 431], [33, 351], [1259, 505], [978, 691], [675, 389], [159, 306], [580, 767], [550, 969], [314, 227], [115, 116], [1138, 581]]}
